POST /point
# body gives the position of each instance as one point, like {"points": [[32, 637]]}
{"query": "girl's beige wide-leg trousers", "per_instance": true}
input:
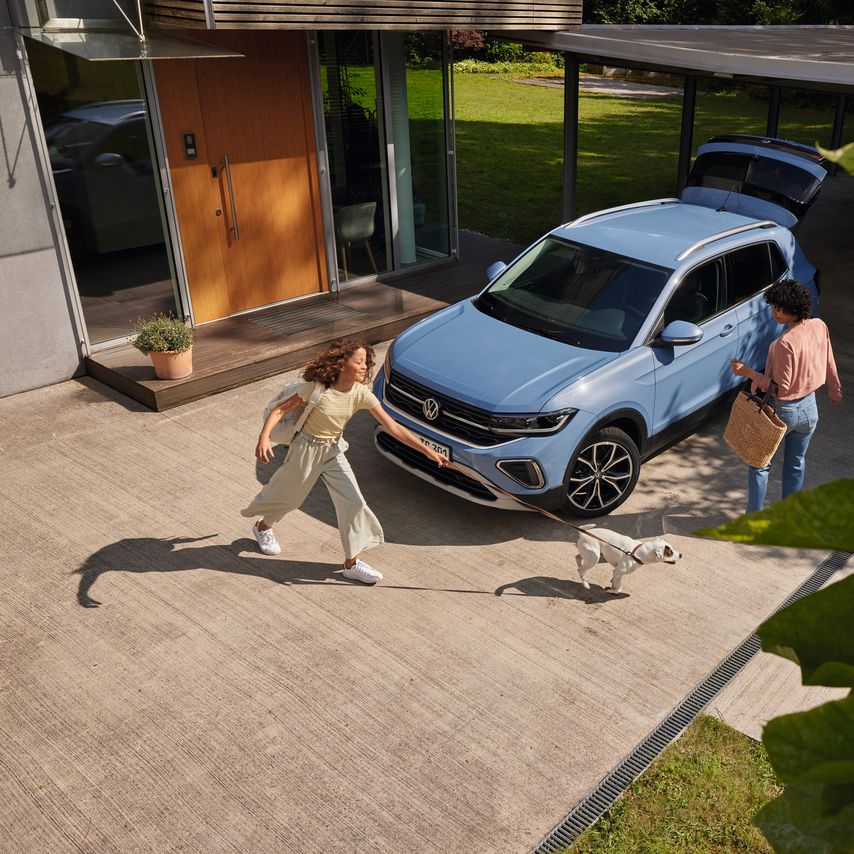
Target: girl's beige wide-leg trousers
{"points": [[308, 459]]}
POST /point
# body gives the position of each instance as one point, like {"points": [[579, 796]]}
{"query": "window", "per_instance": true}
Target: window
{"points": [[700, 295], [752, 269]]}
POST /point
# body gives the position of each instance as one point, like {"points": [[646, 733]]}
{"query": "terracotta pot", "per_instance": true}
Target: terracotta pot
{"points": [[172, 365]]}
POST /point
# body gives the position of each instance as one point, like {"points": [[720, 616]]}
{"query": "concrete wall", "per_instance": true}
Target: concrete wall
{"points": [[38, 341]]}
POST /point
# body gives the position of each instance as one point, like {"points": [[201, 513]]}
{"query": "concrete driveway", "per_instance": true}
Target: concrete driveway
{"points": [[223, 701]]}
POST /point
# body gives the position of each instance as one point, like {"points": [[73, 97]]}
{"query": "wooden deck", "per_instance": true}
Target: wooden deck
{"points": [[240, 350]]}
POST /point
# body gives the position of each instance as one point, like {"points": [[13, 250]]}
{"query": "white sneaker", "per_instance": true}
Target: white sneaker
{"points": [[361, 571], [267, 541]]}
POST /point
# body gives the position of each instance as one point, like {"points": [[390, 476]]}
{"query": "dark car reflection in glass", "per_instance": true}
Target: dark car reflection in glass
{"points": [[109, 198], [102, 169]]}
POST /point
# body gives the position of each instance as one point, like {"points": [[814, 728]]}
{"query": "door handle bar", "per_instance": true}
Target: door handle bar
{"points": [[231, 199]]}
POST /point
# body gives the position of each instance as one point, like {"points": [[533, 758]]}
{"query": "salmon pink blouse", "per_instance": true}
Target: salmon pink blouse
{"points": [[801, 361]]}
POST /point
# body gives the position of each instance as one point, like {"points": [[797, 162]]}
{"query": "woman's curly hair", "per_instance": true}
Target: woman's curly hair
{"points": [[790, 297], [326, 366]]}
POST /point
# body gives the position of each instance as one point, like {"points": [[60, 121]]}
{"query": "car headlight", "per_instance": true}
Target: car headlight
{"points": [[523, 425]]}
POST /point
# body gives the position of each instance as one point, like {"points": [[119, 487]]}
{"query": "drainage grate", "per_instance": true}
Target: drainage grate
{"points": [[290, 319], [620, 778]]}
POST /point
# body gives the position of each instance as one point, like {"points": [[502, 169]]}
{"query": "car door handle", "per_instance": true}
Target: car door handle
{"points": [[727, 330]]}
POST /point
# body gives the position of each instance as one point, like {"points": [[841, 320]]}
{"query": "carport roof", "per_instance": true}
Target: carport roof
{"points": [[816, 57]]}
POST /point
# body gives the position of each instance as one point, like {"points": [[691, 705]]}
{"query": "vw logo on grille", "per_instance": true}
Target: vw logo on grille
{"points": [[430, 408]]}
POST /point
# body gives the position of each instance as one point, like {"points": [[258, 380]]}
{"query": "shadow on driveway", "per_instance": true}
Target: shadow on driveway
{"points": [[148, 554], [559, 588]]}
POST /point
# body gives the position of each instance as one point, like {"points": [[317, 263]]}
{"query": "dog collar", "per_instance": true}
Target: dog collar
{"points": [[634, 556]]}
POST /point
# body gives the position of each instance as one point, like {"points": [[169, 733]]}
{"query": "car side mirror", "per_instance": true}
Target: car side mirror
{"points": [[679, 332], [109, 159], [494, 270]]}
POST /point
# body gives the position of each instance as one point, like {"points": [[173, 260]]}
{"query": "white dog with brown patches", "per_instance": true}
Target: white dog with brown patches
{"points": [[623, 553]]}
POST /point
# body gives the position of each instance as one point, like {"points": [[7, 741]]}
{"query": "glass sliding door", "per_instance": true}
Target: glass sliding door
{"points": [[99, 141], [380, 93], [416, 64], [355, 139]]}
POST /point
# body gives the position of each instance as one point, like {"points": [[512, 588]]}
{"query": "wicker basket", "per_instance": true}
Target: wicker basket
{"points": [[754, 430]]}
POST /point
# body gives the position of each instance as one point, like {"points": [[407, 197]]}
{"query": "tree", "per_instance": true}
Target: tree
{"points": [[718, 12]]}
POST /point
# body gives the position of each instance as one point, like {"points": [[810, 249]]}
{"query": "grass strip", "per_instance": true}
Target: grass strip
{"points": [[699, 796]]}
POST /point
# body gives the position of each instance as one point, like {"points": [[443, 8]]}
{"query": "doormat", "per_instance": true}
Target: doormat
{"points": [[291, 319]]}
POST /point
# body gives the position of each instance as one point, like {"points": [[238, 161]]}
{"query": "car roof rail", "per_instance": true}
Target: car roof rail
{"points": [[765, 223], [595, 214]]}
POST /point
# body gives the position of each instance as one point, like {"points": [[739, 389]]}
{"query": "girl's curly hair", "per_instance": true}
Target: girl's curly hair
{"points": [[326, 366], [790, 297]]}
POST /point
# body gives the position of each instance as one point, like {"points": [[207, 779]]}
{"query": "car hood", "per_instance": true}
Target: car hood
{"points": [[474, 358], [753, 180]]}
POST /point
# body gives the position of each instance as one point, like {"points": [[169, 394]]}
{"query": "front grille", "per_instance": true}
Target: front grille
{"points": [[408, 396], [416, 460]]}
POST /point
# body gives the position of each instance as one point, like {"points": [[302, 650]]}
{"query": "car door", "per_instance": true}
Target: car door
{"points": [[122, 197], [750, 271], [687, 377]]}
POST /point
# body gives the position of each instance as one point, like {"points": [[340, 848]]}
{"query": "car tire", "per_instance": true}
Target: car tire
{"points": [[602, 474]]}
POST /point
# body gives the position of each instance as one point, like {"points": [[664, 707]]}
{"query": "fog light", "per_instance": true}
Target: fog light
{"points": [[525, 472]]}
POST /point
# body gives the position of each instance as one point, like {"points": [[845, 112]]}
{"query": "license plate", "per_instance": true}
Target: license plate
{"points": [[441, 450]]}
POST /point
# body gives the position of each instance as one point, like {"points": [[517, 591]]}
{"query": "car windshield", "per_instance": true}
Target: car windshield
{"points": [[577, 294]]}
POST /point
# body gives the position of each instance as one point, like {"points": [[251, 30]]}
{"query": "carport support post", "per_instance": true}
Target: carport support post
{"points": [[773, 111], [570, 135], [686, 134], [838, 122]]}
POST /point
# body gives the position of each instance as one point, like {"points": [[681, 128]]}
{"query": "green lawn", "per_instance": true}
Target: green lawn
{"points": [[699, 796], [510, 149]]}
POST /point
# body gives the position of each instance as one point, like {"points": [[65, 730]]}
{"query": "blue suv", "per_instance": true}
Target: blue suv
{"points": [[607, 339]]}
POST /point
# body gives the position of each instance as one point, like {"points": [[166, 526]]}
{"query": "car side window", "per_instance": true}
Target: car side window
{"points": [[129, 140], [752, 269], [778, 263], [700, 295]]}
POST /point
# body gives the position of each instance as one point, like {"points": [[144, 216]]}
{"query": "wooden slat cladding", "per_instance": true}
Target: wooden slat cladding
{"points": [[177, 13], [374, 14]]}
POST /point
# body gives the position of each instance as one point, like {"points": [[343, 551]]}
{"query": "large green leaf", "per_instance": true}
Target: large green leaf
{"points": [[798, 822], [816, 746], [843, 156], [821, 518], [815, 632]]}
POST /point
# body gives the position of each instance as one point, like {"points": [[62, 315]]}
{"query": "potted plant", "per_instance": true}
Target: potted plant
{"points": [[169, 343]]}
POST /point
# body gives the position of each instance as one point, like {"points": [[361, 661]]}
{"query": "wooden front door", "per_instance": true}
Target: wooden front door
{"points": [[248, 203]]}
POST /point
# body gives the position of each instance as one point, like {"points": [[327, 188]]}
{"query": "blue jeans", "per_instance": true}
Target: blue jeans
{"points": [[800, 417]]}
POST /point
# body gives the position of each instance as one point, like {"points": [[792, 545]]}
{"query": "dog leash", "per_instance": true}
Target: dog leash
{"points": [[544, 512]]}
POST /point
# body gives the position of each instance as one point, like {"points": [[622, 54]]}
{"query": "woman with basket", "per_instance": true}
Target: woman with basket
{"points": [[799, 362]]}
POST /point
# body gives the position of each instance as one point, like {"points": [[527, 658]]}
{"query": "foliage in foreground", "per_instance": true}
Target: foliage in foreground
{"points": [[812, 752], [698, 796], [821, 518], [843, 156]]}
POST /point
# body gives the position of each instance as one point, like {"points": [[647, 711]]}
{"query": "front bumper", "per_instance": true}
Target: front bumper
{"points": [[464, 484], [478, 478]]}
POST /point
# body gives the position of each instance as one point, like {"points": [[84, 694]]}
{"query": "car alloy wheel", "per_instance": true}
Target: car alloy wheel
{"points": [[603, 473]]}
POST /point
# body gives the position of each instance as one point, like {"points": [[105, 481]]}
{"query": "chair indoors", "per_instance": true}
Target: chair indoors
{"points": [[355, 224]]}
